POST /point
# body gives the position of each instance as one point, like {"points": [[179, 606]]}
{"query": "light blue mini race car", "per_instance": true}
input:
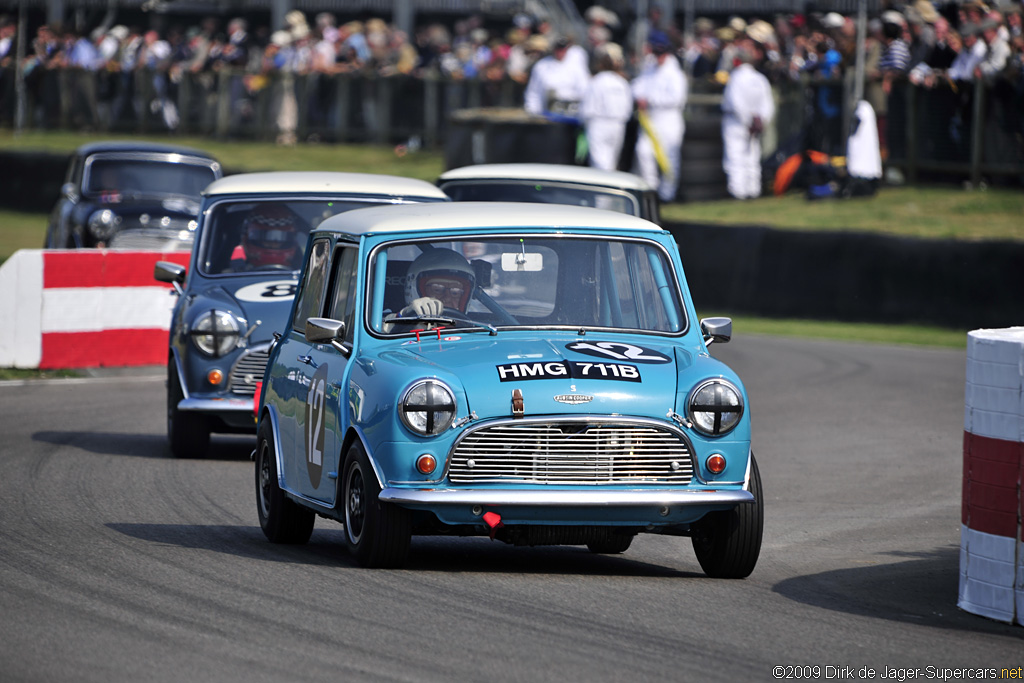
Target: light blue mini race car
{"points": [[249, 247], [529, 372]]}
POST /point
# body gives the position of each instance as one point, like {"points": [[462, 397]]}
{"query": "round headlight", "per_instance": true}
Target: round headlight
{"points": [[215, 332], [715, 407], [103, 223], [428, 407]]}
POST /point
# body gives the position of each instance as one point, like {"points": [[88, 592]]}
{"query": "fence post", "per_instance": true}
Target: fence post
{"points": [[384, 94], [184, 101], [912, 125], [431, 111], [66, 88], [223, 124], [977, 131], [342, 99], [140, 98]]}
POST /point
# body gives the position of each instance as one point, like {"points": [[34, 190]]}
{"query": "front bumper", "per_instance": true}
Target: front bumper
{"points": [[562, 498], [561, 506], [235, 412]]}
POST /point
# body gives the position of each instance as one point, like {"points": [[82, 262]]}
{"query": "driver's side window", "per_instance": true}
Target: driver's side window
{"points": [[310, 297], [343, 297]]}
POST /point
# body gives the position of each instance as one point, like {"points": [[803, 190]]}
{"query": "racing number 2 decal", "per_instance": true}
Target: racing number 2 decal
{"points": [[618, 351], [316, 428]]}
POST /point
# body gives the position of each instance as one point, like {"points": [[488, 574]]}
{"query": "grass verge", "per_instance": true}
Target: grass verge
{"points": [[872, 333]]}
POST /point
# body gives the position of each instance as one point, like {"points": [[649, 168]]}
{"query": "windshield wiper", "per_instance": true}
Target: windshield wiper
{"points": [[438, 320]]}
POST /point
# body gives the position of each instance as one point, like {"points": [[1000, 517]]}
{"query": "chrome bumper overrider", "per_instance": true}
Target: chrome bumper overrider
{"points": [[563, 498]]}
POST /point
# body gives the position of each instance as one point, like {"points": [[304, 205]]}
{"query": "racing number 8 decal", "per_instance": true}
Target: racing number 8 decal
{"points": [[279, 290], [316, 404]]}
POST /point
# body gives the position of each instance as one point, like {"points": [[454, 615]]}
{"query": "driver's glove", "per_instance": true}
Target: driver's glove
{"points": [[424, 306]]}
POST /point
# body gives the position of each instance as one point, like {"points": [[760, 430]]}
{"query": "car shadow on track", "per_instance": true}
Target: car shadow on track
{"points": [[145, 445], [431, 554], [920, 588]]}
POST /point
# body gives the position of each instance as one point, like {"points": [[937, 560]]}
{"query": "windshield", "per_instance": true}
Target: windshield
{"points": [[262, 235], [543, 192], [524, 281], [131, 177]]}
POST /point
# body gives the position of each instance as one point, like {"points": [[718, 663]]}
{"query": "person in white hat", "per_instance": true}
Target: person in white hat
{"points": [[747, 108], [556, 83], [606, 108], [661, 91]]}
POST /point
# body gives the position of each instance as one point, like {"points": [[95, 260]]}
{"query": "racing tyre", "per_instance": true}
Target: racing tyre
{"points": [[281, 519], [377, 534], [612, 544], [188, 434], [728, 543]]}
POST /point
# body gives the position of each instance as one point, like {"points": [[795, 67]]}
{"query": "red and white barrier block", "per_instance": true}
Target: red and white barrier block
{"points": [[84, 308], [991, 534]]}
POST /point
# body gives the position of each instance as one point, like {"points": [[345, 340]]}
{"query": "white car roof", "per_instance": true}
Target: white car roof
{"points": [[422, 218], [551, 172], [323, 182]]}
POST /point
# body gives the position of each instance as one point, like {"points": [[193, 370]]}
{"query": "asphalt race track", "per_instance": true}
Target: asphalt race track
{"points": [[118, 563]]}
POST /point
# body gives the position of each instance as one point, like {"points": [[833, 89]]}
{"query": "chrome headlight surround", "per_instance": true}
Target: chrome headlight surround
{"points": [[715, 407], [427, 407], [103, 223], [215, 332]]}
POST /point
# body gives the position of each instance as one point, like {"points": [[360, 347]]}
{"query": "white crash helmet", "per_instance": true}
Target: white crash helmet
{"points": [[439, 262]]}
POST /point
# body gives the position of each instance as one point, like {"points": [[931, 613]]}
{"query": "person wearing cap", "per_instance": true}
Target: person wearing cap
{"points": [[922, 37], [747, 108], [556, 83], [965, 64], [660, 92], [998, 50], [606, 108]]}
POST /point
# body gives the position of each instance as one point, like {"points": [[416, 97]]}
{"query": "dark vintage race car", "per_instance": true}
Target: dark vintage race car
{"points": [[130, 195], [529, 372], [240, 284]]}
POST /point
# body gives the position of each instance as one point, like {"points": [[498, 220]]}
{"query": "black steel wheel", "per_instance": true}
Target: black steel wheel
{"points": [[377, 534], [281, 519], [728, 543]]}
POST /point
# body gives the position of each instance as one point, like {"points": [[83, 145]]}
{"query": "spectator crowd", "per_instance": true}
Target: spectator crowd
{"points": [[925, 42]]}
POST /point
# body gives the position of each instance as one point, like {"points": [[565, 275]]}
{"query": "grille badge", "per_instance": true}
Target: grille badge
{"points": [[573, 399]]}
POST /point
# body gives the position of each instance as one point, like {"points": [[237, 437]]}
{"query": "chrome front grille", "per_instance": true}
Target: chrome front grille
{"points": [[248, 370], [571, 453], [140, 238]]}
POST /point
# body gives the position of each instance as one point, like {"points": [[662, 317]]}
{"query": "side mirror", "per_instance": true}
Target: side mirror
{"points": [[69, 190], [326, 331], [172, 273], [716, 330]]}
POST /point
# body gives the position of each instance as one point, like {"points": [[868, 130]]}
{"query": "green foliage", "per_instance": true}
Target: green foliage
{"points": [[20, 230]]}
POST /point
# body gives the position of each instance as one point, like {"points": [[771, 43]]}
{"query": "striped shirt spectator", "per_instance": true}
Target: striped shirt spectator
{"points": [[897, 55]]}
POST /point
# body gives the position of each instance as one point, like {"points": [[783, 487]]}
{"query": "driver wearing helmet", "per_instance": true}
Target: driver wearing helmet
{"points": [[437, 280], [270, 238]]}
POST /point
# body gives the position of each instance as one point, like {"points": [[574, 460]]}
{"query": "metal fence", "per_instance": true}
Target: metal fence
{"points": [[971, 131], [238, 105]]}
